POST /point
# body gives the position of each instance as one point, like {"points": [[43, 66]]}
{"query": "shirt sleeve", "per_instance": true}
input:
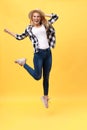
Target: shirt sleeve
{"points": [[22, 36], [53, 18]]}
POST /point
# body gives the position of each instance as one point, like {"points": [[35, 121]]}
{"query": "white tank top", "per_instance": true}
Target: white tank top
{"points": [[40, 33]]}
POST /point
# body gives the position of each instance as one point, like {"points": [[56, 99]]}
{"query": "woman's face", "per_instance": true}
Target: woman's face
{"points": [[36, 18]]}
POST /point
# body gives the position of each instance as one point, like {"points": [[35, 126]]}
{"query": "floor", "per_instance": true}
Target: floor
{"points": [[25, 113]]}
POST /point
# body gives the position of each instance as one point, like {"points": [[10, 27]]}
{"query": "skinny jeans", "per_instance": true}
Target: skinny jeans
{"points": [[42, 63]]}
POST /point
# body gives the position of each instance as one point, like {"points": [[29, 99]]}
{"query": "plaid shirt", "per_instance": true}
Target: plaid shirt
{"points": [[50, 34]]}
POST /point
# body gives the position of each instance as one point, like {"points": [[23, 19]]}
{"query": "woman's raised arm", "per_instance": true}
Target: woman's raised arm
{"points": [[53, 18], [9, 32]]}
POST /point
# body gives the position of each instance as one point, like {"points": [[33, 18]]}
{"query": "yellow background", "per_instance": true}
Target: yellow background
{"points": [[20, 104]]}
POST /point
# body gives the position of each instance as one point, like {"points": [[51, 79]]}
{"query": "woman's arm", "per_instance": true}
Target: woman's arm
{"points": [[48, 15], [17, 36], [53, 18], [9, 32]]}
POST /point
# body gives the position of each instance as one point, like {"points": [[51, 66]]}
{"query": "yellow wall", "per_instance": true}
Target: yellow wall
{"points": [[69, 72]]}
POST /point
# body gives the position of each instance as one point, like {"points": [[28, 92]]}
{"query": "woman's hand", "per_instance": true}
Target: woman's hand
{"points": [[11, 33], [48, 15]]}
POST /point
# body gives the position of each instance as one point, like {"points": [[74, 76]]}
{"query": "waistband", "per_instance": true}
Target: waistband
{"points": [[44, 49]]}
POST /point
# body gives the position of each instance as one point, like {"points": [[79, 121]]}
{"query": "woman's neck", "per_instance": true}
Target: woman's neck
{"points": [[37, 25]]}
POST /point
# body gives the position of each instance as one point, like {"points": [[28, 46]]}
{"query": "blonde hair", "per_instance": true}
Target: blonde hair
{"points": [[42, 15]]}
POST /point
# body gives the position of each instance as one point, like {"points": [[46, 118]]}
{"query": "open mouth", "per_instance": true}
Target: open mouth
{"points": [[36, 22]]}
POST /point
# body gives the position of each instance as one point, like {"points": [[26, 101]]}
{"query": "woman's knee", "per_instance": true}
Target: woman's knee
{"points": [[38, 77]]}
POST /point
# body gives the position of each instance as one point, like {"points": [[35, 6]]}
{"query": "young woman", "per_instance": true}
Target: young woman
{"points": [[42, 35]]}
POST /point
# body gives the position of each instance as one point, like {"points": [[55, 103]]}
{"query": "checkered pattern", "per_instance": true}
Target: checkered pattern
{"points": [[33, 38]]}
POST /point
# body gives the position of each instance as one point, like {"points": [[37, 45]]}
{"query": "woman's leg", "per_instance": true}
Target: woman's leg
{"points": [[38, 63], [46, 72], [37, 71]]}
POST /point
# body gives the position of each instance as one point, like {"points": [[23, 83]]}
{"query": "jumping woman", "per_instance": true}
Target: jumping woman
{"points": [[42, 34]]}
